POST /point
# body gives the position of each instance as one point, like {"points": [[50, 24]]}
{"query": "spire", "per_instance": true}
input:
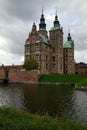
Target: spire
{"points": [[42, 25], [56, 11], [69, 38], [56, 22], [42, 9], [34, 28]]}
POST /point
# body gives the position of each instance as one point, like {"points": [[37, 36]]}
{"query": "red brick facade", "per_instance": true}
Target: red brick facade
{"points": [[18, 74], [49, 50]]}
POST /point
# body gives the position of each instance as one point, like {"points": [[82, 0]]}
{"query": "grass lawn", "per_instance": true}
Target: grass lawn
{"points": [[79, 80], [13, 119]]}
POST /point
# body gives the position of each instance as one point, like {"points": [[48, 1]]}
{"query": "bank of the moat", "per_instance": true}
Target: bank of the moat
{"points": [[14, 119], [61, 101], [21, 76], [76, 81]]}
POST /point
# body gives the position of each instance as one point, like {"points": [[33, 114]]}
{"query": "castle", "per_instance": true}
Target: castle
{"points": [[52, 54]]}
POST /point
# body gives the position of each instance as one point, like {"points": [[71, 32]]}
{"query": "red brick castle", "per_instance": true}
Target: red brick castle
{"points": [[52, 54]]}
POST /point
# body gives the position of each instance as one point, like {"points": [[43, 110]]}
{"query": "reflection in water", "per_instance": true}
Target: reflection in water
{"points": [[56, 101]]}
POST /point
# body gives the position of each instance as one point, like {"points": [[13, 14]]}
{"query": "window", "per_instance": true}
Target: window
{"points": [[27, 47], [60, 50], [53, 49], [60, 67], [66, 50], [37, 46], [60, 59], [66, 66], [33, 39], [66, 55], [53, 34], [46, 66], [37, 57], [66, 59], [46, 58], [27, 56], [54, 66], [46, 47], [53, 58]]}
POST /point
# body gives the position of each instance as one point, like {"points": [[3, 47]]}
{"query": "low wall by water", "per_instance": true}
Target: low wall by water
{"points": [[23, 76], [57, 84], [2, 74], [20, 76]]}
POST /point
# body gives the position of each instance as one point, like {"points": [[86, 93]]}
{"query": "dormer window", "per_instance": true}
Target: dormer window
{"points": [[37, 57], [38, 46], [27, 47]]}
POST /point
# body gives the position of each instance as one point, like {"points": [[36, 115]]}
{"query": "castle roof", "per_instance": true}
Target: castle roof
{"points": [[44, 39], [54, 28], [82, 65], [68, 44], [42, 25], [56, 24]]}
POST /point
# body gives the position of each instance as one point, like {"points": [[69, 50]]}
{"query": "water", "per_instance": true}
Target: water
{"points": [[56, 101]]}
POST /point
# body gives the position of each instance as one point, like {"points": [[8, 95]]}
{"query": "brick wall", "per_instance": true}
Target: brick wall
{"points": [[2, 75], [24, 76], [21, 76]]}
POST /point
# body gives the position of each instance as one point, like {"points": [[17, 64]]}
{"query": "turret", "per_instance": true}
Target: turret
{"points": [[42, 25], [69, 38], [56, 22], [34, 28]]}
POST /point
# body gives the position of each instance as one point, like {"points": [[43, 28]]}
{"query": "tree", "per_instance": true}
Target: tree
{"points": [[31, 64]]}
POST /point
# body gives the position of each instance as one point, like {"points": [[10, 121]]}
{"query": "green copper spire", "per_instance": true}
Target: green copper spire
{"points": [[56, 22], [42, 25], [69, 38], [69, 43]]}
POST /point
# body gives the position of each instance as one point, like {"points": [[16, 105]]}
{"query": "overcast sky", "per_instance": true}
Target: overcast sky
{"points": [[17, 17]]}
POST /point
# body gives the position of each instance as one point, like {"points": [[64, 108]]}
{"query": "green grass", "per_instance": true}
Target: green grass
{"points": [[13, 119], [80, 80]]}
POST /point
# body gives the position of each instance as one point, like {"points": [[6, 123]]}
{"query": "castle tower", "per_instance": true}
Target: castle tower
{"points": [[30, 42], [68, 51], [42, 26], [37, 47], [51, 55], [56, 42]]}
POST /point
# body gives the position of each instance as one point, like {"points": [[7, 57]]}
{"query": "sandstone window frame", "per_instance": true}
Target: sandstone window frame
{"points": [[37, 57], [54, 66], [38, 46], [53, 58]]}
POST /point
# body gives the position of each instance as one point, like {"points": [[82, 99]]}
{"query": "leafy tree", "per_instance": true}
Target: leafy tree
{"points": [[31, 64]]}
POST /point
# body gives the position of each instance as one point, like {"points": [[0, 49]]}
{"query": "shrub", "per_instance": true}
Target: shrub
{"points": [[31, 64]]}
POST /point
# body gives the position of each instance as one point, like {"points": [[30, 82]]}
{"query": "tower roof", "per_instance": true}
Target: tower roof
{"points": [[54, 28], [69, 42], [34, 27], [56, 24], [44, 39], [42, 25], [69, 38]]}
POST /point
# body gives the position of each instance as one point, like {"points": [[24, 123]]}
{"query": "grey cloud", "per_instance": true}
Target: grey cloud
{"points": [[24, 10], [17, 17]]}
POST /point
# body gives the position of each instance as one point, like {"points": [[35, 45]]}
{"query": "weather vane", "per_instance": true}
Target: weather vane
{"points": [[42, 9]]}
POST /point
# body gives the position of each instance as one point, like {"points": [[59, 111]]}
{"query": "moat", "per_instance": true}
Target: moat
{"points": [[54, 100]]}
